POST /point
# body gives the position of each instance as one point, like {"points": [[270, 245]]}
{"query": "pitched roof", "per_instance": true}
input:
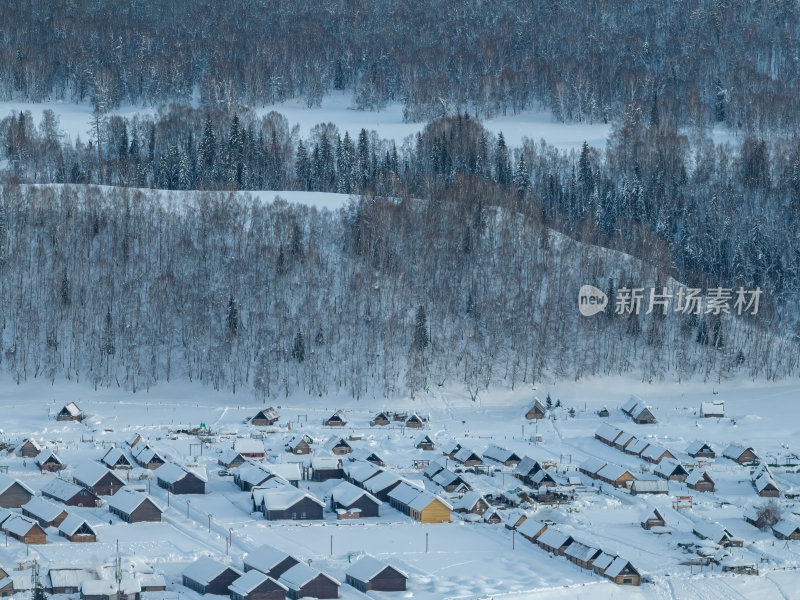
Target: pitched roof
{"points": [[44, 455], [301, 574], [616, 567], [250, 581], [637, 446], [334, 441], [72, 523], [113, 456], [650, 485], [468, 501], [346, 493], [381, 481], [43, 509], [697, 475], [500, 454], [205, 569], [127, 500], [248, 446], [669, 466], [696, 446], [326, 463], [425, 499], [265, 558], [72, 409], [368, 567], [19, 525], [531, 528], [405, 493], [526, 465], [631, 404], [552, 537], [171, 473], [653, 452], [603, 561], [61, 489], [465, 454], [580, 551], [607, 432], [7, 481], [786, 527], [338, 415], [592, 464], [734, 451], [286, 496], [360, 470], [90, 472]]}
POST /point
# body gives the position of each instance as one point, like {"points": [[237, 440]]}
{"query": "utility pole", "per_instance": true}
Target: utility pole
{"points": [[426, 542], [209, 525]]}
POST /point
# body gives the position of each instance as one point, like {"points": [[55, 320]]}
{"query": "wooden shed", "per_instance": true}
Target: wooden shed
{"points": [[24, 529], [424, 442], [70, 412], [209, 576], [147, 457], [741, 454], [382, 418], [536, 412], [303, 581], [97, 478], [415, 421], [502, 455], [231, 459], [671, 469], [623, 572], [653, 518], [338, 446], [787, 529], [299, 444], [77, 529], [254, 585], [337, 419], [28, 449], [265, 417], [699, 480], [47, 461], [698, 449], [467, 457], [115, 459], [371, 574], [642, 415], [13, 493], [134, 507], [69, 493]]}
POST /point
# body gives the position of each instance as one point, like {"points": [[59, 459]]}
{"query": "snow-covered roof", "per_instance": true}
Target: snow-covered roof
{"points": [[655, 485], [631, 403], [616, 567], [531, 527], [603, 561], [381, 481], [108, 587], [296, 439], [669, 466], [346, 493], [230, 455], [61, 489], [90, 472], [624, 438], [552, 537], [637, 446], [127, 500], [19, 525], [171, 473], [335, 441], [265, 558], [613, 472], [465, 454], [325, 463], [449, 446], [248, 446], [30, 441], [468, 501], [72, 523], [368, 567], [300, 574], [763, 482], [711, 531], [580, 551], [250, 581], [43, 509], [7, 481], [287, 471], [607, 432], [338, 415], [405, 492], [286, 496], [786, 527], [734, 451], [72, 409], [205, 569], [695, 476], [526, 465], [713, 408], [364, 454], [45, 455], [499, 454], [423, 438], [360, 470], [68, 578], [113, 456], [424, 499], [640, 410], [543, 475], [592, 464], [445, 477], [653, 452]]}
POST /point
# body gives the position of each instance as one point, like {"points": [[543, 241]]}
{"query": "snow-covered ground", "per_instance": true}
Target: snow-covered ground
{"points": [[463, 560]]}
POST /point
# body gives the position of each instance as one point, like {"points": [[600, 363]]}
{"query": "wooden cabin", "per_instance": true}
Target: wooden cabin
{"points": [[427, 508], [265, 418], [324, 468], [134, 507], [337, 419], [382, 419], [414, 421], [367, 455], [501, 455], [642, 415], [603, 412], [348, 497], [371, 574], [467, 457], [254, 585], [607, 434], [699, 480], [471, 502], [249, 447], [649, 486], [147, 457], [530, 529], [554, 541], [13, 493], [615, 475], [299, 444], [716, 533], [24, 529], [209, 576], [382, 484], [338, 446], [622, 572], [698, 449], [70, 412], [47, 461], [77, 529], [128, 588], [230, 459], [44, 512], [653, 519], [269, 561], [424, 442], [536, 412], [289, 503], [786, 529], [115, 459], [741, 454], [582, 554], [671, 469], [304, 581], [97, 478], [28, 449], [655, 454], [179, 480], [69, 493]]}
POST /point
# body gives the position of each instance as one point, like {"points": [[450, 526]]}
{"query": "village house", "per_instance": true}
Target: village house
{"points": [[371, 574], [699, 480], [367, 455], [698, 449], [757, 517], [269, 561], [636, 447], [337, 419], [46, 513], [492, 516], [254, 585], [631, 405], [349, 498], [530, 529], [623, 572], [128, 588], [326, 467], [147, 457], [450, 447], [264, 418], [669, 468], [401, 496], [715, 533], [382, 418], [787, 529], [303, 581], [97, 478], [451, 482], [607, 434], [740, 454], [28, 449], [655, 454], [543, 478], [765, 486], [66, 580], [230, 459], [424, 442], [526, 468], [70, 412], [642, 415], [415, 421], [653, 518], [650, 485], [582, 554], [13, 493], [501, 455], [338, 446], [289, 503], [536, 412], [134, 439], [471, 502], [554, 541], [380, 485], [624, 439], [46, 460], [25, 530], [179, 480], [115, 459], [433, 467], [249, 447], [358, 472], [712, 409], [615, 475], [299, 444], [428, 508], [69, 493], [603, 412], [134, 507], [209, 576], [467, 457], [591, 466], [77, 529]]}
